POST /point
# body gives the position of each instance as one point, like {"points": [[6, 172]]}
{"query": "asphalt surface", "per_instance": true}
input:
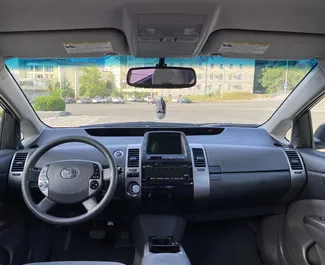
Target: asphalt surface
{"points": [[242, 112]]}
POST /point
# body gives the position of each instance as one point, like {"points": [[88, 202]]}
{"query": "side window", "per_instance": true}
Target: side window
{"points": [[318, 123]]}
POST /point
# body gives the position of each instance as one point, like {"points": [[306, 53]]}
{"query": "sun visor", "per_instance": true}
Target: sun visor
{"points": [[265, 45], [63, 44]]}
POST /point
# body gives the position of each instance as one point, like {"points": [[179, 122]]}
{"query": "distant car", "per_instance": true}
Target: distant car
{"points": [[132, 99], [107, 100], [86, 101], [150, 100], [97, 100], [118, 100], [185, 100], [175, 100], [69, 101], [259, 92], [79, 101]]}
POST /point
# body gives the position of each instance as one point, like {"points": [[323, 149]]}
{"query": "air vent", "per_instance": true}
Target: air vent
{"points": [[19, 162], [294, 159], [198, 157], [133, 157]]}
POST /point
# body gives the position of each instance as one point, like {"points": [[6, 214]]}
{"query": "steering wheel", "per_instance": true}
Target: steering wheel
{"points": [[70, 182]]}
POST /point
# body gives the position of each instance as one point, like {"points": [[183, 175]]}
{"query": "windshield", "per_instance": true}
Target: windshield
{"points": [[86, 92]]}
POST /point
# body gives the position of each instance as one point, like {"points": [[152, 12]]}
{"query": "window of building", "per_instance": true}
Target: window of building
{"points": [[230, 77], [39, 76], [239, 77], [240, 67], [49, 69], [30, 76], [38, 68], [221, 66], [231, 66], [220, 86], [219, 76], [199, 76], [211, 66], [31, 68]]}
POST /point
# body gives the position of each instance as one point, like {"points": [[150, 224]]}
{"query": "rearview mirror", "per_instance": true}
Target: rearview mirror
{"points": [[161, 77]]}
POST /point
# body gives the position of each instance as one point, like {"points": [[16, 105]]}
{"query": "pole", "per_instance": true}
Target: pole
{"points": [[223, 82], [75, 83], [286, 80], [206, 76], [59, 77]]}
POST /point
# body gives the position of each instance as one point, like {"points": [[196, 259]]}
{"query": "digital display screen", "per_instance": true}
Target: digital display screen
{"points": [[164, 143]]}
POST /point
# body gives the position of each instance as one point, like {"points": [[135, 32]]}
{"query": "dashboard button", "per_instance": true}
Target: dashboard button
{"points": [[135, 188], [94, 185]]}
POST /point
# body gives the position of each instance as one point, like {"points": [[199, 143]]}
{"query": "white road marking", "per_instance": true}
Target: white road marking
{"points": [[94, 120]]}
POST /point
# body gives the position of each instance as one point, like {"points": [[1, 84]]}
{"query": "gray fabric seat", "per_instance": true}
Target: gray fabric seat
{"points": [[76, 263]]}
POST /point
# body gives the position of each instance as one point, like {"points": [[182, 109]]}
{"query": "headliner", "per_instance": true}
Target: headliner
{"points": [[296, 16]]}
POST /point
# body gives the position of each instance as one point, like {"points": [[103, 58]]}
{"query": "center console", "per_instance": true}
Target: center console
{"points": [[166, 166]]}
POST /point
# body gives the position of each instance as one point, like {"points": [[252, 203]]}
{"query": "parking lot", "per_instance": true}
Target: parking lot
{"points": [[242, 112]]}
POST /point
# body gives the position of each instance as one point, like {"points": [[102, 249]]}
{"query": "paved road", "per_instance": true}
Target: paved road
{"points": [[252, 112]]}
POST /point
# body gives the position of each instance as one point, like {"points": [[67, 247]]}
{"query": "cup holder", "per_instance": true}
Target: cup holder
{"points": [[163, 245]]}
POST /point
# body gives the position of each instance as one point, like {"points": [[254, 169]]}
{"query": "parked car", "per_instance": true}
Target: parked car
{"points": [[69, 101], [86, 101], [150, 100], [132, 99], [79, 101], [118, 100], [97, 100], [107, 100], [185, 100], [175, 100]]}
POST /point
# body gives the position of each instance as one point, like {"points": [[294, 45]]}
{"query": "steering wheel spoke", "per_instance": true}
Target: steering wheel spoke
{"points": [[107, 174], [45, 205], [90, 203]]}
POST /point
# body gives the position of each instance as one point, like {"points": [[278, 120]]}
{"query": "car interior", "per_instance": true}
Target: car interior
{"points": [[154, 195]]}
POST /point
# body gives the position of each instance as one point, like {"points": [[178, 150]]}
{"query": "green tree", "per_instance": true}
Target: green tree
{"points": [[91, 83], [273, 75], [115, 93], [67, 90]]}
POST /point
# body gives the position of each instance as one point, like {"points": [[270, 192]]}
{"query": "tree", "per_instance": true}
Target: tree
{"points": [[273, 75], [115, 93], [67, 90], [64, 91], [91, 83], [110, 81]]}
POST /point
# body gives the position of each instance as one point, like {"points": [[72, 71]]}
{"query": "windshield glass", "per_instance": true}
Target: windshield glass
{"points": [[93, 91]]}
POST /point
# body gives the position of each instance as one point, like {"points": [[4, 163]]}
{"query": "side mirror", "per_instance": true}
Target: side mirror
{"points": [[319, 137], [161, 77]]}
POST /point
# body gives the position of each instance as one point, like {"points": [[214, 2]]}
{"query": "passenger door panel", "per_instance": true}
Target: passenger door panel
{"points": [[305, 219]]}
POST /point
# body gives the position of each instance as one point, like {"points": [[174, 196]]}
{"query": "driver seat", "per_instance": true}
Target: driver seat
{"points": [[76, 263]]}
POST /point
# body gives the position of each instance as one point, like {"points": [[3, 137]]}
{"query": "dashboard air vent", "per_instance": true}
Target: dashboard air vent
{"points": [[19, 162], [198, 157], [294, 159], [133, 157]]}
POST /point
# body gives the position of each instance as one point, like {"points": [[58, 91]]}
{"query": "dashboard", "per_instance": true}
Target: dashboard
{"points": [[186, 170]]}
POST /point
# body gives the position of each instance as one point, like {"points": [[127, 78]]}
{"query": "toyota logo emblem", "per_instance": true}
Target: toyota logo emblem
{"points": [[69, 173]]}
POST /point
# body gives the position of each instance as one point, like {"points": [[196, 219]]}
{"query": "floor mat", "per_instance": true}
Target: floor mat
{"points": [[221, 243], [81, 247]]}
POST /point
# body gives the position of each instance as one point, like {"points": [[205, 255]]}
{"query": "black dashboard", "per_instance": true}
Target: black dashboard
{"points": [[185, 169]]}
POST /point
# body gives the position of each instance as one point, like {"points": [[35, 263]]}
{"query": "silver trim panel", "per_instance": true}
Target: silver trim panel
{"points": [[298, 178], [137, 180], [201, 177], [14, 178]]}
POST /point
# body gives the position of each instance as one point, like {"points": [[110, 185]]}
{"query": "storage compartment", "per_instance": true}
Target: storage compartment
{"points": [[249, 188], [163, 245]]}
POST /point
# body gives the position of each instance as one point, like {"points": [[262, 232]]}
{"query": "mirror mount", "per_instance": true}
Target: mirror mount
{"points": [[161, 63]]}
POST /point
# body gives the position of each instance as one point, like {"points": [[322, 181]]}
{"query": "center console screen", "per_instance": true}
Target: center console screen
{"points": [[165, 143]]}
